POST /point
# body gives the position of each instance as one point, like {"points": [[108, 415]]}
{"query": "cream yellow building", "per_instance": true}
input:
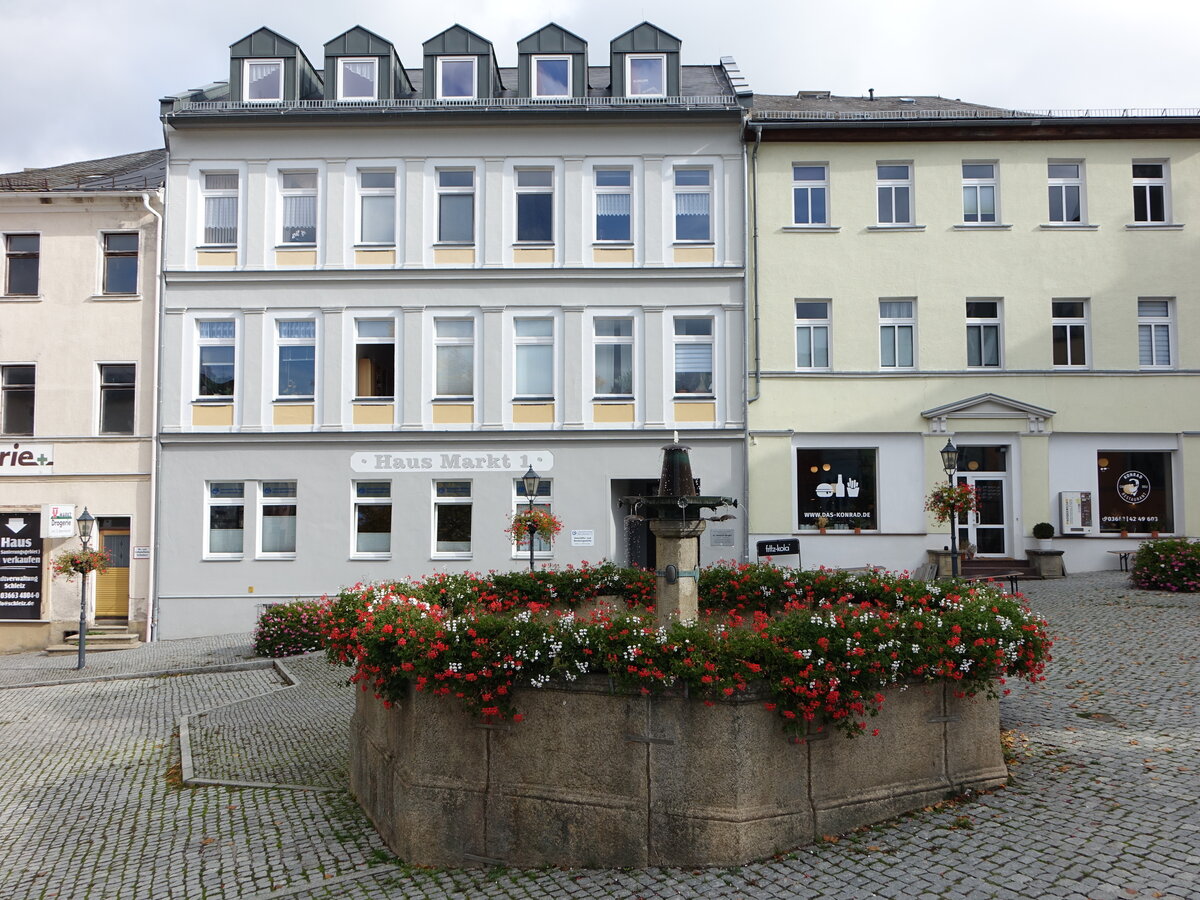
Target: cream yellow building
{"points": [[1024, 285], [78, 306]]}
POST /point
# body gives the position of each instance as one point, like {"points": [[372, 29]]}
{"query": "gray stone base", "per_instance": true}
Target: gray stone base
{"points": [[592, 778], [1047, 563]]}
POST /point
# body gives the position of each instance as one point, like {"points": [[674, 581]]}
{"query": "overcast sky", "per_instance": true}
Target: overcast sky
{"points": [[85, 77]]}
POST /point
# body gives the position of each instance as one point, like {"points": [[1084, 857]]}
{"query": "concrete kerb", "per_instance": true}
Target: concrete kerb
{"points": [[186, 768], [157, 673]]}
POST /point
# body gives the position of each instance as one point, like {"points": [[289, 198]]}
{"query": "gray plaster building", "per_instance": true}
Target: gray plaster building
{"points": [[390, 291]]}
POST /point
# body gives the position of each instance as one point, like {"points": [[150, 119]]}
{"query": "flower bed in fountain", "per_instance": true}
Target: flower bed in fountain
{"points": [[492, 730]]}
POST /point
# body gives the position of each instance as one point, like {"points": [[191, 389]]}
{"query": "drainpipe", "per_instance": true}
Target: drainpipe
{"points": [[152, 588], [754, 269]]}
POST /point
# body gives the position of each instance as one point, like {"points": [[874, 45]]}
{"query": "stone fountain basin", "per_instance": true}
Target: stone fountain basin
{"points": [[596, 778]]}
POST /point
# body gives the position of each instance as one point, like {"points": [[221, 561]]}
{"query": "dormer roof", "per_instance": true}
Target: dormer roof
{"points": [[552, 40], [361, 43], [644, 40], [459, 41], [299, 80]]}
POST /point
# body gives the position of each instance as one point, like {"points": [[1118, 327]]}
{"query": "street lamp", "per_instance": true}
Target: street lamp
{"points": [[950, 466], [86, 521], [532, 482]]}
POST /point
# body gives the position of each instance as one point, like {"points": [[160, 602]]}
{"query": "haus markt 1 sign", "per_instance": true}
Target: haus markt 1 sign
{"points": [[443, 462], [20, 566]]}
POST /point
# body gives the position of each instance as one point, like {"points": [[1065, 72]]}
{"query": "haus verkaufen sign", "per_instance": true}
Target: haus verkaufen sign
{"points": [[20, 566], [442, 462]]}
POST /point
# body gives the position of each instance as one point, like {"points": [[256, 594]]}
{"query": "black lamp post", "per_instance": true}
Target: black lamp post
{"points": [[950, 466], [86, 521], [532, 482]]}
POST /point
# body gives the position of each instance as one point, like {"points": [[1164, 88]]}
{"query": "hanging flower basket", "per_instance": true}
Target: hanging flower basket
{"points": [[948, 502], [545, 524], [79, 562]]}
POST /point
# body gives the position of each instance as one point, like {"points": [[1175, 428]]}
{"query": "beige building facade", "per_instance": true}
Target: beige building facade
{"points": [[926, 271], [77, 335]]}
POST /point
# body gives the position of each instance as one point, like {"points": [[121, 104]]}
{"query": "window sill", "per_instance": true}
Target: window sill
{"points": [[982, 226], [367, 557], [534, 245], [391, 246], [292, 401], [1154, 226], [276, 556], [372, 401], [895, 228], [436, 556], [115, 298], [21, 298], [548, 399], [812, 229], [1067, 226], [232, 557], [706, 398], [224, 248], [223, 400], [459, 400], [296, 246], [693, 243], [609, 398], [614, 245], [454, 245], [1070, 368]]}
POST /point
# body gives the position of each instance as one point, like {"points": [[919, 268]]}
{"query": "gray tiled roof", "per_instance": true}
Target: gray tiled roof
{"points": [[132, 171], [823, 101]]}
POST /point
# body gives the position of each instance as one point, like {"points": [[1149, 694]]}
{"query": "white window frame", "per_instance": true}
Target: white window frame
{"points": [[202, 342], [112, 387], [540, 340], [544, 500], [629, 60], [892, 325], [11, 254], [439, 502], [246, 64], [975, 186], [215, 193], [608, 340], [360, 340], [1145, 185], [451, 190], [286, 192], [209, 502], [1153, 324], [525, 190], [891, 185], [260, 519], [1058, 320], [440, 341], [6, 392], [365, 193], [341, 77], [981, 324], [281, 342], [688, 190], [813, 324], [807, 186], [357, 500], [533, 73], [1060, 184], [441, 62], [610, 190], [683, 340]]}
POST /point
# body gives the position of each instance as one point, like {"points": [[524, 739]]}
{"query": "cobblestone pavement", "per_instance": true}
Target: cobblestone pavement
{"points": [[1104, 801]]}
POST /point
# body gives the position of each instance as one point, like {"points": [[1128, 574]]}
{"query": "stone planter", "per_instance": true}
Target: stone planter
{"points": [[594, 778]]}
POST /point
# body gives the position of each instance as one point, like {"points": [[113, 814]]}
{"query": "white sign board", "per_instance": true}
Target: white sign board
{"points": [[457, 461], [141, 552], [26, 459], [58, 520], [583, 537]]}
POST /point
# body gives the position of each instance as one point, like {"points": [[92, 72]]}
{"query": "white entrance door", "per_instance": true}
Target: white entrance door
{"points": [[987, 527]]}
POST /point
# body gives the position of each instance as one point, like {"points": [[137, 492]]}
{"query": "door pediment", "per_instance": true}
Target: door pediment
{"points": [[989, 406]]}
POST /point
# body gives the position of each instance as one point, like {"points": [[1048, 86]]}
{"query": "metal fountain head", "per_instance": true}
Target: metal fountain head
{"points": [[677, 496]]}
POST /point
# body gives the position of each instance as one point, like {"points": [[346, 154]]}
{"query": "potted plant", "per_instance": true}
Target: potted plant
{"points": [[822, 522], [856, 525], [545, 524], [1043, 531], [949, 501], [80, 562]]}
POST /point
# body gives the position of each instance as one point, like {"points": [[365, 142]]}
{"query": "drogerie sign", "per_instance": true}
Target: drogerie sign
{"points": [[26, 459]]}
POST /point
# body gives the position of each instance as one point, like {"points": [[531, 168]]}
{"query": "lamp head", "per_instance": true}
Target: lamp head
{"points": [[86, 521], [532, 482], [949, 457]]}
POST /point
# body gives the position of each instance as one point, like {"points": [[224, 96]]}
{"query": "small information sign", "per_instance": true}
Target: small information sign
{"points": [[780, 547], [583, 537], [141, 552]]}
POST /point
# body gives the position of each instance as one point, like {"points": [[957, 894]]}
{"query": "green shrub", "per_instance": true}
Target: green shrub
{"points": [[286, 629], [1167, 564]]}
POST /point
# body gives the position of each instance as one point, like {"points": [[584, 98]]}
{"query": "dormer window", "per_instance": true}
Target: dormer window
{"points": [[358, 78], [552, 76], [456, 77], [646, 75], [263, 79]]}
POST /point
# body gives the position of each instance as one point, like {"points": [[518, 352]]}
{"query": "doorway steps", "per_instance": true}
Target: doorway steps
{"points": [[100, 638]]}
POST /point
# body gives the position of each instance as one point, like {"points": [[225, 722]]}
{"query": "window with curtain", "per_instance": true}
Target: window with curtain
{"points": [[299, 190], [358, 79], [693, 355], [693, 204]]}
